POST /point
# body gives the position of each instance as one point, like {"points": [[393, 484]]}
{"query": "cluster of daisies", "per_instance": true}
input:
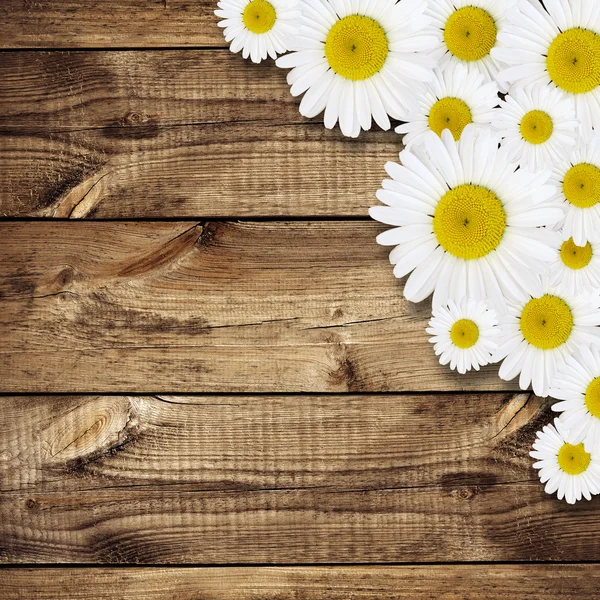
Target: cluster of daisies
{"points": [[495, 204]]}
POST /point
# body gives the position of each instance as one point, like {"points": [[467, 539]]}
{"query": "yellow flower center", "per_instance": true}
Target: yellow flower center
{"points": [[575, 257], [573, 460], [581, 185], [592, 397], [470, 33], [356, 47], [449, 113], [259, 16], [536, 127], [469, 221], [573, 60], [464, 333], [546, 322]]}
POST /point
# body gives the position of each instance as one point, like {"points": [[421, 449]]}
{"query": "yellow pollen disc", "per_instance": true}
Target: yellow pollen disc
{"points": [[546, 322], [356, 47], [573, 460], [469, 221], [592, 397], [449, 113], [575, 257], [581, 185], [464, 333], [573, 60], [470, 33], [259, 16], [536, 127]]}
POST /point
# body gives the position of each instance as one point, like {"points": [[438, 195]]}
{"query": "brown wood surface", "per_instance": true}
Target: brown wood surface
{"points": [[294, 479], [162, 307], [135, 314], [172, 134], [457, 582], [108, 24]]}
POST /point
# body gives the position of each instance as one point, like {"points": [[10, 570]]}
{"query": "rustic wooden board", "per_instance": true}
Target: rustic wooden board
{"points": [[97, 23], [164, 307], [455, 582], [295, 479], [365, 442], [172, 134]]}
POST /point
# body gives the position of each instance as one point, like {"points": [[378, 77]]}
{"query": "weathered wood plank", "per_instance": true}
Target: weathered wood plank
{"points": [[163, 307], [171, 134], [291, 479], [139, 91], [54, 443], [96, 23], [464, 582], [180, 524]]}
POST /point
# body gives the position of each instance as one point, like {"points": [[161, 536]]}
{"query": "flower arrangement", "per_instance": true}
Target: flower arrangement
{"points": [[494, 206]]}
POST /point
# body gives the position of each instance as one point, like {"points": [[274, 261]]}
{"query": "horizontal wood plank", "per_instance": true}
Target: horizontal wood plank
{"points": [[295, 479], [456, 582], [98, 24], [172, 134], [239, 307], [71, 443]]}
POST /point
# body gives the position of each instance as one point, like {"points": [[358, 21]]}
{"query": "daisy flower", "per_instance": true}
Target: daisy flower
{"points": [[259, 27], [538, 126], [576, 269], [577, 182], [466, 224], [456, 97], [360, 59], [467, 31], [464, 334], [560, 47], [541, 330], [564, 465], [577, 384]]}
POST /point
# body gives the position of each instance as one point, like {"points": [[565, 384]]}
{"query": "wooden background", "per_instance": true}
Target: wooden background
{"points": [[207, 367]]}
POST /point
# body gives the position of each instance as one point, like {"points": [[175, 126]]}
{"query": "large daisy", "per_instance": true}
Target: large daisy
{"points": [[538, 126], [259, 27], [467, 31], [464, 334], [541, 330], [360, 60], [576, 269], [466, 223], [564, 465], [457, 96], [560, 47], [577, 384], [577, 182]]}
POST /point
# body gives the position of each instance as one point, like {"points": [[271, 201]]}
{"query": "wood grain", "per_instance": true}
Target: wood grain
{"points": [[239, 307], [295, 479], [98, 24], [172, 134], [456, 582], [71, 443]]}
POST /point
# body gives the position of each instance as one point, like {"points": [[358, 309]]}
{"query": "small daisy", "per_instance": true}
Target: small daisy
{"points": [[576, 269], [467, 31], [560, 47], [540, 331], [577, 182], [465, 334], [259, 27], [564, 465], [538, 126], [456, 97], [577, 384], [466, 223], [360, 59]]}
